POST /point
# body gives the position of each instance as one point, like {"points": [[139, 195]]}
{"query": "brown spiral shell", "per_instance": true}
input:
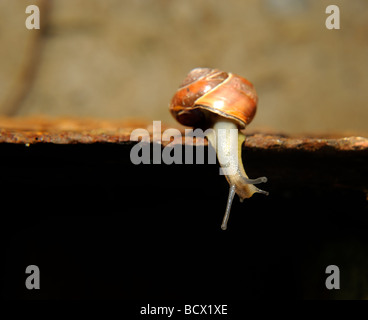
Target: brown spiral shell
{"points": [[225, 94]]}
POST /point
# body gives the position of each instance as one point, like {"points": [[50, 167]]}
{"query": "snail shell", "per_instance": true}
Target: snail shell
{"points": [[211, 90]]}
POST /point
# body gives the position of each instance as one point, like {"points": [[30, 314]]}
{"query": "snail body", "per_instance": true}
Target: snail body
{"points": [[224, 102]]}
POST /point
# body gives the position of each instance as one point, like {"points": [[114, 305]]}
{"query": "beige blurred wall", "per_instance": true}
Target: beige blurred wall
{"points": [[124, 59]]}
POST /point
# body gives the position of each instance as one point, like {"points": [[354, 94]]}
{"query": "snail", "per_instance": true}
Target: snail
{"points": [[210, 98]]}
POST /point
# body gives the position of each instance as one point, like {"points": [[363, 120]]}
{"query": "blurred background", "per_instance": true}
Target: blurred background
{"points": [[124, 59]]}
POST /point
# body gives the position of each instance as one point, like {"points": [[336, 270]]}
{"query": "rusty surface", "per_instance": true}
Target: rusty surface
{"points": [[86, 131]]}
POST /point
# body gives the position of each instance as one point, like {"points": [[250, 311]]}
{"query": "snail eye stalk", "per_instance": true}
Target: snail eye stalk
{"points": [[228, 207]]}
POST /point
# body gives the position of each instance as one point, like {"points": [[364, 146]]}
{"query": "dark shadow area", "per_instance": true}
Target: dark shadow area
{"points": [[98, 226]]}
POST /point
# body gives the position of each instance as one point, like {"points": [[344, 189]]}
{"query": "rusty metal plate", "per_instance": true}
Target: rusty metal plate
{"points": [[73, 130]]}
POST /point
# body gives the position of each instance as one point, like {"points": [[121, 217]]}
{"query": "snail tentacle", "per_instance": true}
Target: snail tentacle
{"points": [[228, 207], [253, 181]]}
